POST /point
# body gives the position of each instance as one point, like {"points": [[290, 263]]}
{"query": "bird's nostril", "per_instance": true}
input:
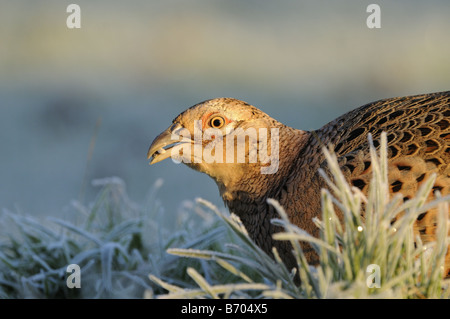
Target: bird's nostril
{"points": [[160, 151]]}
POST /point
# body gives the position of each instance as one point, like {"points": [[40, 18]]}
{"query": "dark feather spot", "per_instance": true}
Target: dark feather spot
{"points": [[429, 118], [393, 150], [396, 186], [349, 158], [412, 149], [421, 216], [443, 124], [431, 146], [403, 167], [350, 167], [366, 165], [337, 148], [424, 131], [420, 178], [381, 121], [355, 133], [406, 137], [359, 183], [390, 137], [376, 143], [366, 116], [437, 188], [435, 161], [395, 114]]}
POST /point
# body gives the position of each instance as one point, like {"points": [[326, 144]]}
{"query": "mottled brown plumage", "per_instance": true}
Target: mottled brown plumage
{"points": [[418, 130]]}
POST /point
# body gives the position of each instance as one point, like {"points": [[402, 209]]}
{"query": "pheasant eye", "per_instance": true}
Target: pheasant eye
{"points": [[217, 122]]}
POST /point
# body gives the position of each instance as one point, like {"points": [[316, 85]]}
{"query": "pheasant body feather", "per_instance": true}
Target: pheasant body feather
{"points": [[418, 133]]}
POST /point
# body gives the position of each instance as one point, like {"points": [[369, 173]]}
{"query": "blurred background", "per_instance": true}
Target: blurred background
{"points": [[134, 65]]}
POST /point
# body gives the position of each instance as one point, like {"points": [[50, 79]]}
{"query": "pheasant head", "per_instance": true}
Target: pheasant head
{"points": [[236, 144]]}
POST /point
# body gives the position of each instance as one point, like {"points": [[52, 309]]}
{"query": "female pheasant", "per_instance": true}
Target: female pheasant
{"points": [[418, 129]]}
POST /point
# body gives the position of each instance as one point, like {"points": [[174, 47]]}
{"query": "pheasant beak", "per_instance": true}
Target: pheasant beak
{"points": [[167, 140]]}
